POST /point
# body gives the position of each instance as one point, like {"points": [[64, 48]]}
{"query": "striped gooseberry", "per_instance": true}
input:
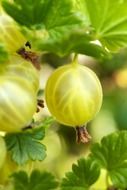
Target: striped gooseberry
{"points": [[19, 84], [73, 94], [11, 35]]}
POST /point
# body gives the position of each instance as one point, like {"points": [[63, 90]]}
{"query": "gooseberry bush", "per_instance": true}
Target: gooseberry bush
{"points": [[29, 31]]}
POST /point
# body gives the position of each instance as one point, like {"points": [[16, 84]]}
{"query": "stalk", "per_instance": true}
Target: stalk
{"points": [[75, 60]]}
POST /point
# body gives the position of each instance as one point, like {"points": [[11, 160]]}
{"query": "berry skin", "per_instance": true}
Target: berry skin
{"points": [[19, 83], [10, 34], [73, 94]]}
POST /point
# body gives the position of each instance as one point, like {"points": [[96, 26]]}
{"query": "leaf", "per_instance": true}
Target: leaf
{"points": [[3, 54], [108, 19], [47, 122], [37, 181], [67, 43], [21, 180], [26, 145], [68, 34], [29, 13], [83, 175], [111, 154]]}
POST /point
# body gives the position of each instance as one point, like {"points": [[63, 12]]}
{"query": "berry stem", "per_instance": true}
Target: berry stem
{"points": [[82, 134], [75, 60]]}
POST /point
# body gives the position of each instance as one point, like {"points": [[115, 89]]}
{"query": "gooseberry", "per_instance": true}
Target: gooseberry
{"points": [[10, 35], [19, 83], [73, 94]]}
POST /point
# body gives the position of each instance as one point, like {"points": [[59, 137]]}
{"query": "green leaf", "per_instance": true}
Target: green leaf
{"points": [[67, 43], [83, 175], [44, 123], [80, 5], [109, 21], [26, 146], [37, 181], [30, 13], [68, 34], [47, 122], [21, 180], [3, 54], [111, 154]]}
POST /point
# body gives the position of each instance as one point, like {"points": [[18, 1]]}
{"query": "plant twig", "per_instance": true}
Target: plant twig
{"points": [[29, 55], [75, 60]]}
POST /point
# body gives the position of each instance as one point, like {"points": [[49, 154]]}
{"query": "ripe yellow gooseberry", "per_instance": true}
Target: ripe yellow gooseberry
{"points": [[10, 34], [73, 94], [19, 83]]}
